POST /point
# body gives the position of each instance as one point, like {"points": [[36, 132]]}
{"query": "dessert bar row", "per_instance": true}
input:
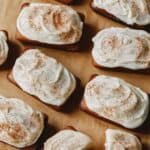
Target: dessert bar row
{"points": [[21, 126], [44, 77]]}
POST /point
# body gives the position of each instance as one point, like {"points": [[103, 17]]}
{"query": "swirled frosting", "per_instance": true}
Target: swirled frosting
{"points": [[43, 77], [20, 125], [116, 139], [116, 100], [122, 47], [129, 11], [49, 23], [68, 140], [3, 47]]}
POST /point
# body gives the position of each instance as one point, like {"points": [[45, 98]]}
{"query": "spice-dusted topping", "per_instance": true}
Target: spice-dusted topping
{"points": [[43, 77], [116, 139], [117, 100], [68, 140], [20, 125], [129, 11], [122, 47], [56, 24]]}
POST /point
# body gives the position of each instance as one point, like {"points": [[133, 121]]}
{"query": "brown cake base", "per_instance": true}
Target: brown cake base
{"points": [[111, 16], [69, 47], [6, 33], [66, 1]]}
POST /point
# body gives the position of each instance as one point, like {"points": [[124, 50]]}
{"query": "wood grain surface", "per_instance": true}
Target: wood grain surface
{"points": [[79, 63]]}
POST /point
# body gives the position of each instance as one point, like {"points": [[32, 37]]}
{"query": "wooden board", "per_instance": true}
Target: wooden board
{"points": [[77, 62]]}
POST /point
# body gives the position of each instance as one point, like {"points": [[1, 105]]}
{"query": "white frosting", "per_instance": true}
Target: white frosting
{"points": [[3, 47], [122, 47], [68, 140], [43, 77], [120, 140], [20, 125], [49, 23], [116, 100], [128, 11]]}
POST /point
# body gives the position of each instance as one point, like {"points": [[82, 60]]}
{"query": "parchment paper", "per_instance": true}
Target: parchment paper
{"points": [[80, 64]]}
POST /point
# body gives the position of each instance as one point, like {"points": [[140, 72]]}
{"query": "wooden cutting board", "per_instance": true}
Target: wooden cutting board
{"points": [[78, 63]]}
